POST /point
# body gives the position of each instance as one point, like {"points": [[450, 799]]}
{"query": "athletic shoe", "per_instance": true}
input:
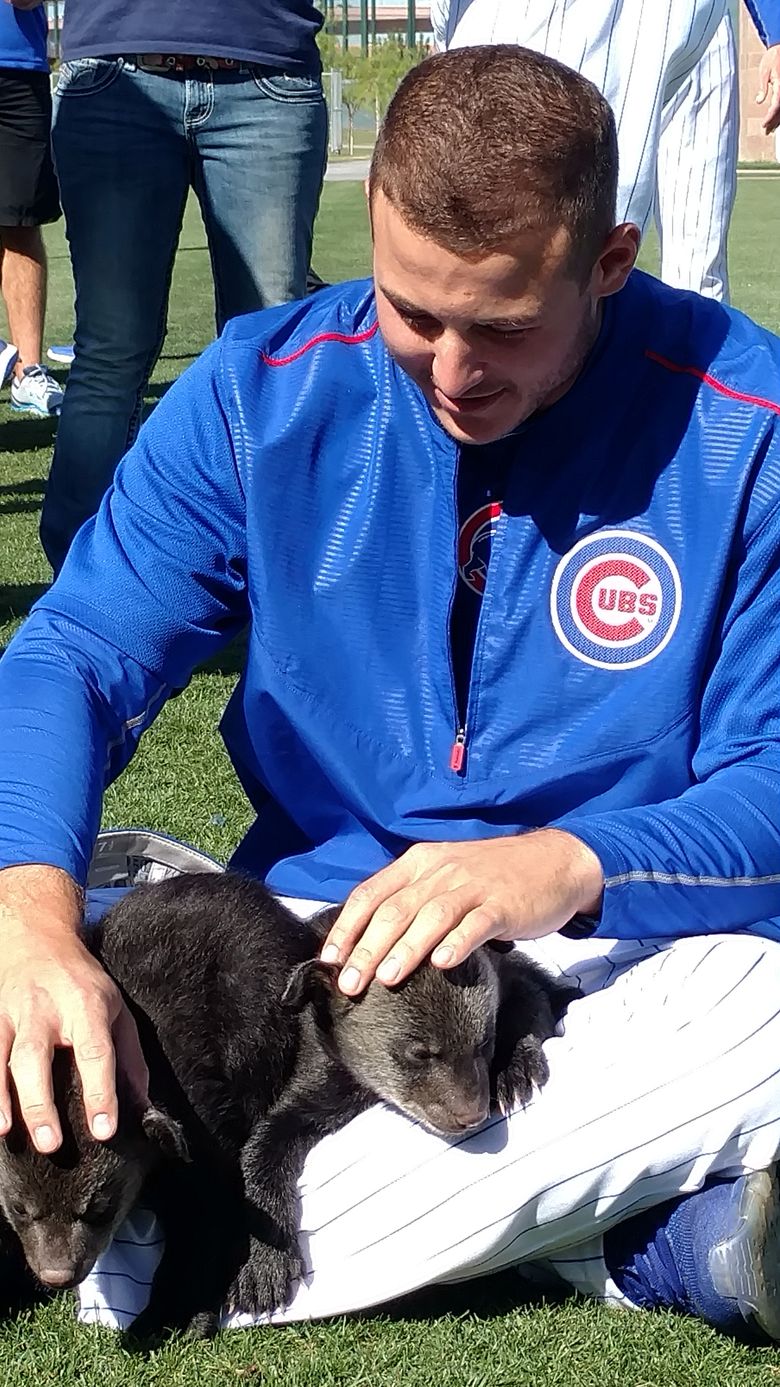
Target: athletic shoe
{"points": [[714, 1254], [62, 355], [36, 392], [8, 357], [127, 856], [745, 1263]]}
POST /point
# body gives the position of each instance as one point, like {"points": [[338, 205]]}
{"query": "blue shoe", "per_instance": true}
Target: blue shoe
{"points": [[62, 355], [8, 359], [745, 1264], [714, 1254]]}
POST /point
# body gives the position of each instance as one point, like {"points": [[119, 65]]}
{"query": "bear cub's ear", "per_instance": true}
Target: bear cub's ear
{"points": [[312, 981], [165, 1132]]}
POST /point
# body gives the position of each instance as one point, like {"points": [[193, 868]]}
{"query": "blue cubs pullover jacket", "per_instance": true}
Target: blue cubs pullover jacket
{"points": [[625, 678]]}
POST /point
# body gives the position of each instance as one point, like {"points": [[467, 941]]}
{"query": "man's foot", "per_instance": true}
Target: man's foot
{"points": [[63, 355], [36, 392], [745, 1264], [714, 1254], [8, 355]]}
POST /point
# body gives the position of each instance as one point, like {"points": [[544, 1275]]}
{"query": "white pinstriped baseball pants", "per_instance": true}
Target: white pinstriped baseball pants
{"points": [[668, 1071], [669, 71]]}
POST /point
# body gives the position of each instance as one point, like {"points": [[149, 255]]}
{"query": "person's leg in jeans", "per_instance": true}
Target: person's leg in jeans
{"points": [[121, 157], [260, 152]]}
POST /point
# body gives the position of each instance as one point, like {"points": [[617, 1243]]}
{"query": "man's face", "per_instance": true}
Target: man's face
{"points": [[488, 341]]}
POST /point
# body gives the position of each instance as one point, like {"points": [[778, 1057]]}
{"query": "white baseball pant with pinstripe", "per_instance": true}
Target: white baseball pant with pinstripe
{"points": [[668, 69], [668, 1071]]}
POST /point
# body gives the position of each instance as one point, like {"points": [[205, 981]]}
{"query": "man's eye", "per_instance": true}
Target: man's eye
{"points": [[418, 322], [506, 333]]}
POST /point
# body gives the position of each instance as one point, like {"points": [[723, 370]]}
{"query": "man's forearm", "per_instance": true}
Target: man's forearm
{"points": [[704, 862]]}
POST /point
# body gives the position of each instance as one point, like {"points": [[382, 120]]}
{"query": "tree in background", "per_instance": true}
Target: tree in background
{"points": [[369, 80]]}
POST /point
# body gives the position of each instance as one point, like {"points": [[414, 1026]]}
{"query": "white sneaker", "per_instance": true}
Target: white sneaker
{"points": [[8, 355], [63, 356], [36, 392]]}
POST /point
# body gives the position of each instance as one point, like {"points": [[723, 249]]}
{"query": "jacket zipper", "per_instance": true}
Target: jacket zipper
{"points": [[458, 752]]}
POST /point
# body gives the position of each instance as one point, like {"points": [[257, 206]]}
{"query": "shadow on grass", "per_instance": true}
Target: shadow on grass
{"points": [[32, 489], [16, 599], [489, 1298], [486, 1298], [24, 433]]}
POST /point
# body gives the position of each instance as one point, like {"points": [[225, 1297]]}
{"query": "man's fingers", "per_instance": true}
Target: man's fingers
{"points": [[475, 928], [130, 1060], [93, 1052], [772, 117], [360, 906], [6, 1040], [30, 1065], [769, 88], [402, 933]]}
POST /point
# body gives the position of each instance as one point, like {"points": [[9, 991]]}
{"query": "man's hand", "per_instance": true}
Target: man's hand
{"points": [[769, 88], [54, 993], [444, 899]]}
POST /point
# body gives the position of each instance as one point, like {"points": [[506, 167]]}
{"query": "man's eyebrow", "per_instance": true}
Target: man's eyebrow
{"points": [[402, 305]]}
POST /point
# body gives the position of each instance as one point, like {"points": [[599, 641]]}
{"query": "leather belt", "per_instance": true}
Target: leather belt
{"points": [[184, 62]]}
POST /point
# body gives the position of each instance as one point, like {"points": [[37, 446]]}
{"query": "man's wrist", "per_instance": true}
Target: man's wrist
{"points": [[39, 898], [584, 872]]}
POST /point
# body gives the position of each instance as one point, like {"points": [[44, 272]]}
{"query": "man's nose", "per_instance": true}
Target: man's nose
{"points": [[456, 367]]}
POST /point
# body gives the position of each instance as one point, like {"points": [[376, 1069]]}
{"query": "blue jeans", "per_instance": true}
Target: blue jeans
{"points": [[128, 145]]}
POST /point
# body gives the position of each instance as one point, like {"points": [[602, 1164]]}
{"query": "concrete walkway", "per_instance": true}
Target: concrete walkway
{"points": [[347, 170]]}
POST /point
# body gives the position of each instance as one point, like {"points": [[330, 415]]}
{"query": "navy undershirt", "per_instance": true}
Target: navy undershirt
{"points": [[482, 473], [278, 33]]}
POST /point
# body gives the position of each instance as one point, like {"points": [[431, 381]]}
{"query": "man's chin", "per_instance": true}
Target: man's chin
{"points": [[479, 429]]}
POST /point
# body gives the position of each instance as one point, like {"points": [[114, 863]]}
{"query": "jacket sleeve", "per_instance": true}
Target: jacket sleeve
{"points": [[709, 860], [766, 17], [151, 588]]}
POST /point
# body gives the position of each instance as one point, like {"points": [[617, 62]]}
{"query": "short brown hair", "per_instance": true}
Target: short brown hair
{"points": [[480, 144]]}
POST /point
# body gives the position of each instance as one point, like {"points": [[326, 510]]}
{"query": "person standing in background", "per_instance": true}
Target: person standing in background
{"points": [[28, 200], [152, 100], [669, 71]]}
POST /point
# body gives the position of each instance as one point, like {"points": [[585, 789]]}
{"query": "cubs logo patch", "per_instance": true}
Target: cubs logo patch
{"points": [[474, 541], [615, 599]]}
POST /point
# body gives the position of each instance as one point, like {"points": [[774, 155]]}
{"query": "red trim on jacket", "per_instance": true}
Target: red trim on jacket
{"points": [[716, 384], [349, 339]]}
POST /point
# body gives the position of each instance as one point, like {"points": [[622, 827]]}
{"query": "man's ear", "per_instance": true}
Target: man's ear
{"points": [[312, 981], [616, 261], [165, 1133]]}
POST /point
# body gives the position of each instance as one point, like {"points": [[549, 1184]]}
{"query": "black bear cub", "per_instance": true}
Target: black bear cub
{"points": [[254, 1054]]}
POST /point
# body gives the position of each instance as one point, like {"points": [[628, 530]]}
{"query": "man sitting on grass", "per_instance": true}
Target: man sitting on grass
{"points": [[504, 526]]}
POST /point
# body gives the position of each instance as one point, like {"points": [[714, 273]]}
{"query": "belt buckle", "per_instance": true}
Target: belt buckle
{"points": [[154, 62]]}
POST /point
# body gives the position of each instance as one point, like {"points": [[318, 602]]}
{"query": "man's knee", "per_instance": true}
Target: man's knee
{"points": [[23, 240]]}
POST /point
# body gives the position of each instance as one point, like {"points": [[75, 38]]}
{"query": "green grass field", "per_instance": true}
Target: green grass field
{"points": [[480, 1335]]}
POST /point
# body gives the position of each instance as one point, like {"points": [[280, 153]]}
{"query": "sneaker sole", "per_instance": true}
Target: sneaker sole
{"points": [[746, 1266], [33, 409]]}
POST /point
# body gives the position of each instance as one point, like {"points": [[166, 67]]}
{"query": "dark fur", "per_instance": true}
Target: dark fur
{"points": [[65, 1208], [254, 1054]]}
